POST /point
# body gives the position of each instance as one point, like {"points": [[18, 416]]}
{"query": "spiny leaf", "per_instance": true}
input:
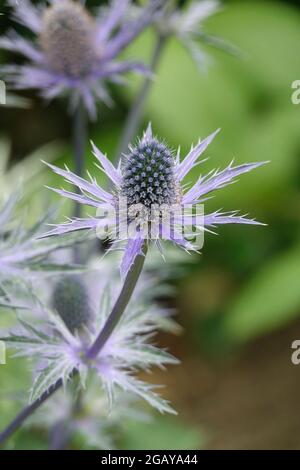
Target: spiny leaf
{"points": [[57, 369]]}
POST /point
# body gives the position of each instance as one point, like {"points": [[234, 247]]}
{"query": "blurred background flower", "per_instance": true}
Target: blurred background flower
{"points": [[74, 53], [239, 303]]}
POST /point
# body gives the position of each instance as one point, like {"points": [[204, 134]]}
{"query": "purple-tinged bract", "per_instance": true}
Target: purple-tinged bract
{"points": [[21, 251]]}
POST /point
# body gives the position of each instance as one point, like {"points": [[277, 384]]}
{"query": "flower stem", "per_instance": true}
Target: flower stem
{"points": [[61, 432], [79, 140], [120, 305], [112, 321], [136, 112], [28, 411], [59, 435]]}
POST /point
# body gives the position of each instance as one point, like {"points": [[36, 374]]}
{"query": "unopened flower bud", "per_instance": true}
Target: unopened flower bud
{"points": [[71, 302]]}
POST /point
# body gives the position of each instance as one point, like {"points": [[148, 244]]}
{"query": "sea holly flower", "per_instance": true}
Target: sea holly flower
{"points": [[186, 23], [59, 339], [148, 177], [74, 52], [21, 252]]}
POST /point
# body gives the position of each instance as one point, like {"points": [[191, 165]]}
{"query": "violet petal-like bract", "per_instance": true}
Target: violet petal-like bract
{"points": [[132, 250]]}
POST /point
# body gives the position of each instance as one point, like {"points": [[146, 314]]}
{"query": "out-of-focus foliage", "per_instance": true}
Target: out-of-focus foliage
{"points": [[162, 433], [269, 300]]}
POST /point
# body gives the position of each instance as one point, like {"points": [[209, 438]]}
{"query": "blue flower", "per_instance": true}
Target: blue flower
{"points": [[150, 176], [74, 52], [57, 337], [186, 24]]}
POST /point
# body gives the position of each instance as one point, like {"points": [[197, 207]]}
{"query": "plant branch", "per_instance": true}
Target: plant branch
{"points": [[79, 140], [28, 411], [120, 305]]}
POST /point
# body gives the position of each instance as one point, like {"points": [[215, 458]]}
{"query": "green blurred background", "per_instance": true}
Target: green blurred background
{"points": [[239, 302]]}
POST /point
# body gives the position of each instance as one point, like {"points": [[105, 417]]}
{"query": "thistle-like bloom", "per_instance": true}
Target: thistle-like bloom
{"points": [[61, 343], [186, 25], [74, 52], [150, 176], [21, 253]]}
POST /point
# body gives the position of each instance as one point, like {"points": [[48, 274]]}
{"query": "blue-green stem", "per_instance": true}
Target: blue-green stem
{"points": [[79, 141], [120, 305]]}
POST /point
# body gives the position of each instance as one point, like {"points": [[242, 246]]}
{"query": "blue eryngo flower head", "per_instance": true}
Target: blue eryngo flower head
{"points": [[74, 52], [186, 24], [157, 203], [47, 339], [148, 175], [21, 252]]}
